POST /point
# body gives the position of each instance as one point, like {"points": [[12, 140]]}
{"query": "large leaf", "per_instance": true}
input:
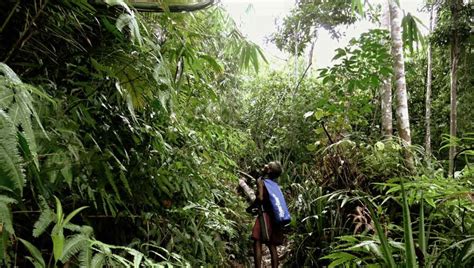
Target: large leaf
{"points": [[35, 253], [408, 233]]}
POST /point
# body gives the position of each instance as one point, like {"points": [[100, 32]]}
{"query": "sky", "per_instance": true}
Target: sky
{"points": [[257, 20]]}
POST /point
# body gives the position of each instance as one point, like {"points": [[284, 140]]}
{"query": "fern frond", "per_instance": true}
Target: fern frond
{"points": [[9, 73], [11, 172], [6, 93], [73, 246], [98, 261], [6, 218], [15, 96], [46, 217], [87, 230], [20, 114], [7, 200], [73, 227], [137, 258], [85, 257]]}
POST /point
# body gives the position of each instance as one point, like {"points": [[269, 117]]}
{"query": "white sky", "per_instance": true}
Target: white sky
{"points": [[256, 20]]}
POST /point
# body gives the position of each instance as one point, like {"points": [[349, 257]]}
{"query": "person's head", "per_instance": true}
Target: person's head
{"points": [[272, 169]]}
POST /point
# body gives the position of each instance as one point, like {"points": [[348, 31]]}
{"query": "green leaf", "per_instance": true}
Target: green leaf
{"points": [[213, 62], [339, 258], [66, 172], [408, 233], [59, 212], [422, 240], [35, 253], [339, 53], [386, 250], [58, 244], [319, 114], [72, 214]]}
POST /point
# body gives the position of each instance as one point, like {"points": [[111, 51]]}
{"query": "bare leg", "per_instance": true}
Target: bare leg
{"points": [[257, 253], [274, 255]]}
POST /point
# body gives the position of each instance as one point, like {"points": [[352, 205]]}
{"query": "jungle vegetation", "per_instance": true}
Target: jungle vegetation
{"points": [[122, 134]]}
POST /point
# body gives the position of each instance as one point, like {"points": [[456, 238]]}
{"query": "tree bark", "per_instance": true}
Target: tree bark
{"points": [[428, 88], [455, 5], [386, 89], [403, 120]]}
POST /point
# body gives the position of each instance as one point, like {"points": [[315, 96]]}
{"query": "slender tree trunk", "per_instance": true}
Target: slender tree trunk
{"points": [[386, 108], [386, 89], [428, 89], [455, 5], [403, 121]]}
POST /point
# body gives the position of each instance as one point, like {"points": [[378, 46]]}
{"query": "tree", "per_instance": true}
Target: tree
{"points": [[455, 6], [386, 89], [403, 120], [308, 18], [428, 87]]}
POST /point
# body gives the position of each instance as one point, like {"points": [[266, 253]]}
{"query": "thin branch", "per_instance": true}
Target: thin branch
{"points": [[26, 34], [9, 16], [310, 63], [327, 133]]}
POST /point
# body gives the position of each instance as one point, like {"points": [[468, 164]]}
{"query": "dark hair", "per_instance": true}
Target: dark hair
{"points": [[275, 169]]}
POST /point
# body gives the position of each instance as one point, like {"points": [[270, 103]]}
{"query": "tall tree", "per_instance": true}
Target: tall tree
{"points": [[386, 89], [455, 6], [402, 116], [428, 86]]}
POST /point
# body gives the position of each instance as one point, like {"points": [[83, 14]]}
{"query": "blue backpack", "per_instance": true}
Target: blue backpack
{"points": [[279, 207]]}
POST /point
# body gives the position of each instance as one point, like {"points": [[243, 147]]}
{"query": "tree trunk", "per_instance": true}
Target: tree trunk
{"points": [[455, 5], [428, 89], [386, 90], [403, 121]]}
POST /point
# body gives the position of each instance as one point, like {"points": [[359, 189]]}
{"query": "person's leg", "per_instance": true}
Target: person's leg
{"points": [[274, 255], [257, 253]]}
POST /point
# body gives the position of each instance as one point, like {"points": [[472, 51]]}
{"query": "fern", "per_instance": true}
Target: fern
{"points": [[5, 213], [85, 257], [9, 73], [74, 245], [11, 172], [45, 219], [21, 116], [98, 261], [16, 98]]}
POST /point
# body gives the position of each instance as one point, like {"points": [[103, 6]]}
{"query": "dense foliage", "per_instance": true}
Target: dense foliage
{"points": [[128, 122], [122, 134]]}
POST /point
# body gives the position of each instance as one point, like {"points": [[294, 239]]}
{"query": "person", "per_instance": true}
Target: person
{"points": [[265, 230]]}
